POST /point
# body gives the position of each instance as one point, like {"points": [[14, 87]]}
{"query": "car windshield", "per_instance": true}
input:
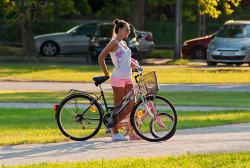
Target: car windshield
{"points": [[234, 31], [104, 31], [72, 29]]}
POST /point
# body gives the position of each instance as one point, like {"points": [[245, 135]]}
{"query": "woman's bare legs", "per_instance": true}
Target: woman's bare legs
{"points": [[119, 93]]}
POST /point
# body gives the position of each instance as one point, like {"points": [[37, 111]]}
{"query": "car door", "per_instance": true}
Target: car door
{"points": [[78, 41]]}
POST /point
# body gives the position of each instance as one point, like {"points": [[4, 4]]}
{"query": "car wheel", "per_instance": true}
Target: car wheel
{"points": [[211, 63], [49, 48], [199, 52]]}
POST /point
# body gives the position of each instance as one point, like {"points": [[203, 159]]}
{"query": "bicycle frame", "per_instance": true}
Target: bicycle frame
{"points": [[136, 88]]}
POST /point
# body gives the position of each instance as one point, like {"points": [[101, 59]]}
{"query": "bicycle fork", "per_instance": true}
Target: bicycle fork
{"points": [[150, 108]]}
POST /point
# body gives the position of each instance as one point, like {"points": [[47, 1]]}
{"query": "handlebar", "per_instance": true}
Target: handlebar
{"points": [[138, 69]]}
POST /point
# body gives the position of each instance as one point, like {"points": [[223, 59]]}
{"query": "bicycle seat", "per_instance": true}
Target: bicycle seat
{"points": [[100, 79]]}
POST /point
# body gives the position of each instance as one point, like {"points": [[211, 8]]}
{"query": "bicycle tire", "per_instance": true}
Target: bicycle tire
{"points": [[152, 128], [146, 130], [74, 125]]}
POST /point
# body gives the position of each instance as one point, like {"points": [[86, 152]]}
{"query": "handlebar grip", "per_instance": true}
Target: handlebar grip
{"points": [[138, 69]]}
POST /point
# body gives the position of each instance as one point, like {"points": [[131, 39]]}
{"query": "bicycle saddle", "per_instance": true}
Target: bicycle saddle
{"points": [[100, 79]]}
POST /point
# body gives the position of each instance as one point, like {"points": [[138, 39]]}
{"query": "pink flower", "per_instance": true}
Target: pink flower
{"points": [[119, 54]]}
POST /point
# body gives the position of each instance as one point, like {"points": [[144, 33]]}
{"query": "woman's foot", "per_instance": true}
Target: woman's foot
{"points": [[134, 137], [119, 137]]}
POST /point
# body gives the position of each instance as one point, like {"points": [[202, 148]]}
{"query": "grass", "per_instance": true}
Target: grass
{"points": [[10, 50], [166, 54], [177, 62], [28, 126], [187, 98], [85, 73], [216, 160]]}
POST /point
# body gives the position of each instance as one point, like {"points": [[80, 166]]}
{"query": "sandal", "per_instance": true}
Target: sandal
{"points": [[134, 137]]}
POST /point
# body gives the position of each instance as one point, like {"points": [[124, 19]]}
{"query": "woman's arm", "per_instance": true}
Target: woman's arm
{"points": [[134, 63], [111, 47]]}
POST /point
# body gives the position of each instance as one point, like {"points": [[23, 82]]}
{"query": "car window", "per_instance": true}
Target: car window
{"points": [[104, 31], [84, 29], [234, 31], [132, 34]]}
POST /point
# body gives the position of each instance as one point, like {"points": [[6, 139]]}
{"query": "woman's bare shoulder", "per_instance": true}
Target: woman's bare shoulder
{"points": [[113, 45]]}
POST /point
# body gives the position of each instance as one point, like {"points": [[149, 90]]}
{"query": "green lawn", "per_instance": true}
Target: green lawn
{"points": [[217, 160], [27, 126], [85, 73], [188, 98]]}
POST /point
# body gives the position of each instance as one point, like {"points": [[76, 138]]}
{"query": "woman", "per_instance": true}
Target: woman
{"points": [[121, 77]]}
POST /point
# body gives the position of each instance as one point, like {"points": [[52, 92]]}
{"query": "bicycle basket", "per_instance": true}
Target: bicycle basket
{"points": [[150, 82]]}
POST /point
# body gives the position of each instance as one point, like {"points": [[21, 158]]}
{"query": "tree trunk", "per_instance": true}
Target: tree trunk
{"points": [[27, 36], [137, 14]]}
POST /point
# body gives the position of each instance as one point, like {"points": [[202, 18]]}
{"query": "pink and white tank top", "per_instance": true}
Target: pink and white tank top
{"points": [[121, 59]]}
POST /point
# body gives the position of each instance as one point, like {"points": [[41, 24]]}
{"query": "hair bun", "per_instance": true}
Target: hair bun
{"points": [[116, 21]]}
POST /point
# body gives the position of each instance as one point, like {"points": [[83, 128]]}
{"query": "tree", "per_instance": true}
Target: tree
{"points": [[28, 11], [137, 14], [211, 7], [115, 9]]}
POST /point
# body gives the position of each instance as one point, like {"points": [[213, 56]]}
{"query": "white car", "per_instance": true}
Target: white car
{"points": [[231, 45], [146, 42], [73, 41], [76, 41]]}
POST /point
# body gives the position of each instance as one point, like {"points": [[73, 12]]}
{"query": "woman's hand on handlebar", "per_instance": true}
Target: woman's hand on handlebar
{"points": [[138, 69]]}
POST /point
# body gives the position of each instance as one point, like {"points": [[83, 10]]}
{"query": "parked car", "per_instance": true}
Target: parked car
{"points": [[197, 47], [146, 42], [76, 40], [102, 36], [231, 45], [72, 41]]}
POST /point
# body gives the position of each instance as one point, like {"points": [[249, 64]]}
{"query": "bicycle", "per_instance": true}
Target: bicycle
{"points": [[154, 118]]}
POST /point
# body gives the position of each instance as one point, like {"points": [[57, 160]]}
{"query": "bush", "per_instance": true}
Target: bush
{"points": [[10, 50]]}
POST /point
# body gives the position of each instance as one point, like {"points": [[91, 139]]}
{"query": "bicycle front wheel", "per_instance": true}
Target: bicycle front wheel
{"points": [[79, 117], [157, 126]]}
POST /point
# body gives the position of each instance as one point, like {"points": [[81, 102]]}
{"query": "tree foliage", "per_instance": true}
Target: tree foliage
{"points": [[211, 7], [115, 9]]}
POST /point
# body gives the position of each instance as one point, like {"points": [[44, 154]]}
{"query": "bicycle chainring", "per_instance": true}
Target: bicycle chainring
{"points": [[109, 122]]}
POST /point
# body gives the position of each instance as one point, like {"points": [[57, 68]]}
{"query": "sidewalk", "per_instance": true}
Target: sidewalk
{"points": [[66, 86], [228, 138]]}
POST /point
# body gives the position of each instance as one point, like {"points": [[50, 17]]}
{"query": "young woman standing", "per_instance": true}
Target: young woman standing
{"points": [[121, 77]]}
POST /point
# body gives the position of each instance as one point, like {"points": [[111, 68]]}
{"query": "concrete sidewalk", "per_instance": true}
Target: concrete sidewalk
{"points": [[66, 86], [228, 138]]}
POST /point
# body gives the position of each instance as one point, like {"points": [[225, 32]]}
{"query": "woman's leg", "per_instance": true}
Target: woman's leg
{"points": [[118, 96], [129, 107]]}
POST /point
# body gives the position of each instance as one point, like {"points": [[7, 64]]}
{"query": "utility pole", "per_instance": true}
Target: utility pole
{"points": [[178, 30], [202, 31]]}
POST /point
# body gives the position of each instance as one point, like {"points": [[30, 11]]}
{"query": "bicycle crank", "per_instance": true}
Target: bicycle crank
{"points": [[108, 121]]}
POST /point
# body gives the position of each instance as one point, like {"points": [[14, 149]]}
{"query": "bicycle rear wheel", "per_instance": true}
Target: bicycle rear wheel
{"points": [[79, 117], [160, 126]]}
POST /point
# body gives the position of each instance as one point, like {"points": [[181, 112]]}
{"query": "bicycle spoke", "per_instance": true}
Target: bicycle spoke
{"points": [[81, 126], [163, 123]]}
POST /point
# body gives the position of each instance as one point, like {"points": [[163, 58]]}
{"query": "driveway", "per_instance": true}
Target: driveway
{"points": [[228, 138]]}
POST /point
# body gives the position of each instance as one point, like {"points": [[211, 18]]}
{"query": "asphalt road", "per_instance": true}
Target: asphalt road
{"points": [[228, 138]]}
